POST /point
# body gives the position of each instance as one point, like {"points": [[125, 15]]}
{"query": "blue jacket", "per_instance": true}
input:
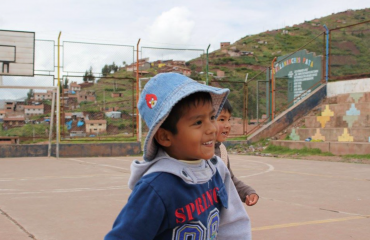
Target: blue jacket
{"points": [[175, 200]]}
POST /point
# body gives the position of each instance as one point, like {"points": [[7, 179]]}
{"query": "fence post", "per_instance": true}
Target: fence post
{"points": [[137, 90], [327, 53], [58, 100], [207, 66]]}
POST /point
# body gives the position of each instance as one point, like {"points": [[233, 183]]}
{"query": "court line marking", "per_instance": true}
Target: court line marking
{"points": [[97, 164], [124, 160], [322, 175], [58, 177], [69, 190], [270, 169], [287, 225], [311, 207]]}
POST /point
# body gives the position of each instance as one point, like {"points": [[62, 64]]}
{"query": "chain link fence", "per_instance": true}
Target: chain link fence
{"points": [[25, 101], [97, 92], [349, 51]]}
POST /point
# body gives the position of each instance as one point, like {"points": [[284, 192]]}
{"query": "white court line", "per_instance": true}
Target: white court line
{"points": [[103, 165], [270, 169], [71, 190], [124, 160], [57, 177]]}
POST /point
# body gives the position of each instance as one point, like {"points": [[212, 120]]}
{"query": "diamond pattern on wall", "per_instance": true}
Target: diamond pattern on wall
{"points": [[325, 116], [345, 136], [318, 135], [353, 111], [356, 96], [352, 115], [350, 120], [294, 136]]}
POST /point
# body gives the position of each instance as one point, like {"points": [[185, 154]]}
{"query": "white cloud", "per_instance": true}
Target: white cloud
{"points": [[172, 27]]}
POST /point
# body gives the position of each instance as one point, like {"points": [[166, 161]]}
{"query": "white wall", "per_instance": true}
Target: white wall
{"points": [[348, 86]]}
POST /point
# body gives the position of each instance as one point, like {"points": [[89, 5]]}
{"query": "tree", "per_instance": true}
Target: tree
{"points": [[114, 67], [30, 94], [66, 83], [89, 76], [105, 71]]}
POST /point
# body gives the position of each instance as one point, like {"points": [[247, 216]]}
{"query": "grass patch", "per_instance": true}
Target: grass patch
{"points": [[98, 139], [240, 138], [303, 152], [287, 137], [356, 156], [262, 142]]}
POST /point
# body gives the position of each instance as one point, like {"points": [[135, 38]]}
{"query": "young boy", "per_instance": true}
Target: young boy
{"points": [[178, 193], [246, 193]]}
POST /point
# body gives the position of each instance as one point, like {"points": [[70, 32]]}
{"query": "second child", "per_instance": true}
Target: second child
{"points": [[246, 193]]}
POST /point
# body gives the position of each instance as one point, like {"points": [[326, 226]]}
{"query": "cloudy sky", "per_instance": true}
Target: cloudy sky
{"points": [[166, 23], [191, 24]]}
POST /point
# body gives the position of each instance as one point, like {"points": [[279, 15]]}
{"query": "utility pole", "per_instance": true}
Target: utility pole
{"points": [[207, 66]]}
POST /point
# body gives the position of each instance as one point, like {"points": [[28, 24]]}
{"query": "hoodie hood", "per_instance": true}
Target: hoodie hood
{"points": [[190, 173]]}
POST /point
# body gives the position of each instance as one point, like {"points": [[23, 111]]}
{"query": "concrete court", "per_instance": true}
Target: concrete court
{"points": [[79, 198]]}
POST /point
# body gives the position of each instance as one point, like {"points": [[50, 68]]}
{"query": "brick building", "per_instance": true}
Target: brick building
{"points": [[39, 96], [31, 110], [96, 126]]}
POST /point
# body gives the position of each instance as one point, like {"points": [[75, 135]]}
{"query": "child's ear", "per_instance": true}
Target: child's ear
{"points": [[162, 136]]}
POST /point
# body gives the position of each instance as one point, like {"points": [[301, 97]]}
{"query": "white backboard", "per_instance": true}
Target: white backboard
{"points": [[17, 53]]}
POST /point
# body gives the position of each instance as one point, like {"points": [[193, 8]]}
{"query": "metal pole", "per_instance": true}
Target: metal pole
{"points": [[257, 101], [207, 66], [137, 90], [246, 105], [58, 100], [327, 53], [51, 123], [273, 88], [140, 133]]}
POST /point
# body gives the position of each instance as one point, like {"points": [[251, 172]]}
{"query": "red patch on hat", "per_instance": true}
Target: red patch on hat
{"points": [[151, 100]]}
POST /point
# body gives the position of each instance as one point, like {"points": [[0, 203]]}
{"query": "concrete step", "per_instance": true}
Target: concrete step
{"points": [[338, 121], [331, 134], [349, 98], [337, 148]]}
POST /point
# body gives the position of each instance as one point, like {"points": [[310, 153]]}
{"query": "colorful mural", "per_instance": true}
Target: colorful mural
{"points": [[294, 136], [345, 137], [352, 115], [325, 116], [349, 109], [318, 135]]}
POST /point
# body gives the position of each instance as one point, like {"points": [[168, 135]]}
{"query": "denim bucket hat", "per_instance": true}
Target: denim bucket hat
{"points": [[161, 94]]}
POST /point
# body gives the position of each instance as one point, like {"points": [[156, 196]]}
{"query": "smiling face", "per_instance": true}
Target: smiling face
{"points": [[223, 126], [196, 133]]}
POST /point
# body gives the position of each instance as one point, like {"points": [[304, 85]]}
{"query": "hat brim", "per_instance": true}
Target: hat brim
{"points": [[218, 95]]}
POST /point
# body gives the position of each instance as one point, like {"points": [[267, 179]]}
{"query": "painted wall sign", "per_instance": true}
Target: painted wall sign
{"points": [[302, 69]]}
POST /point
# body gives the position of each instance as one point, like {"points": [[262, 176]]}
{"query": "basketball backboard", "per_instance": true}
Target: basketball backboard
{"points": [[17, 53]]}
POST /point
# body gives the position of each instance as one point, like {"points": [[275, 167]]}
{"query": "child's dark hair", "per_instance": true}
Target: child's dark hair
{"points": [[227, 107], [180, 108]]}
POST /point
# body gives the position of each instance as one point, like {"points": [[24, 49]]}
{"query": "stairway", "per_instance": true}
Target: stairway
{"points": [[340, 125]]}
